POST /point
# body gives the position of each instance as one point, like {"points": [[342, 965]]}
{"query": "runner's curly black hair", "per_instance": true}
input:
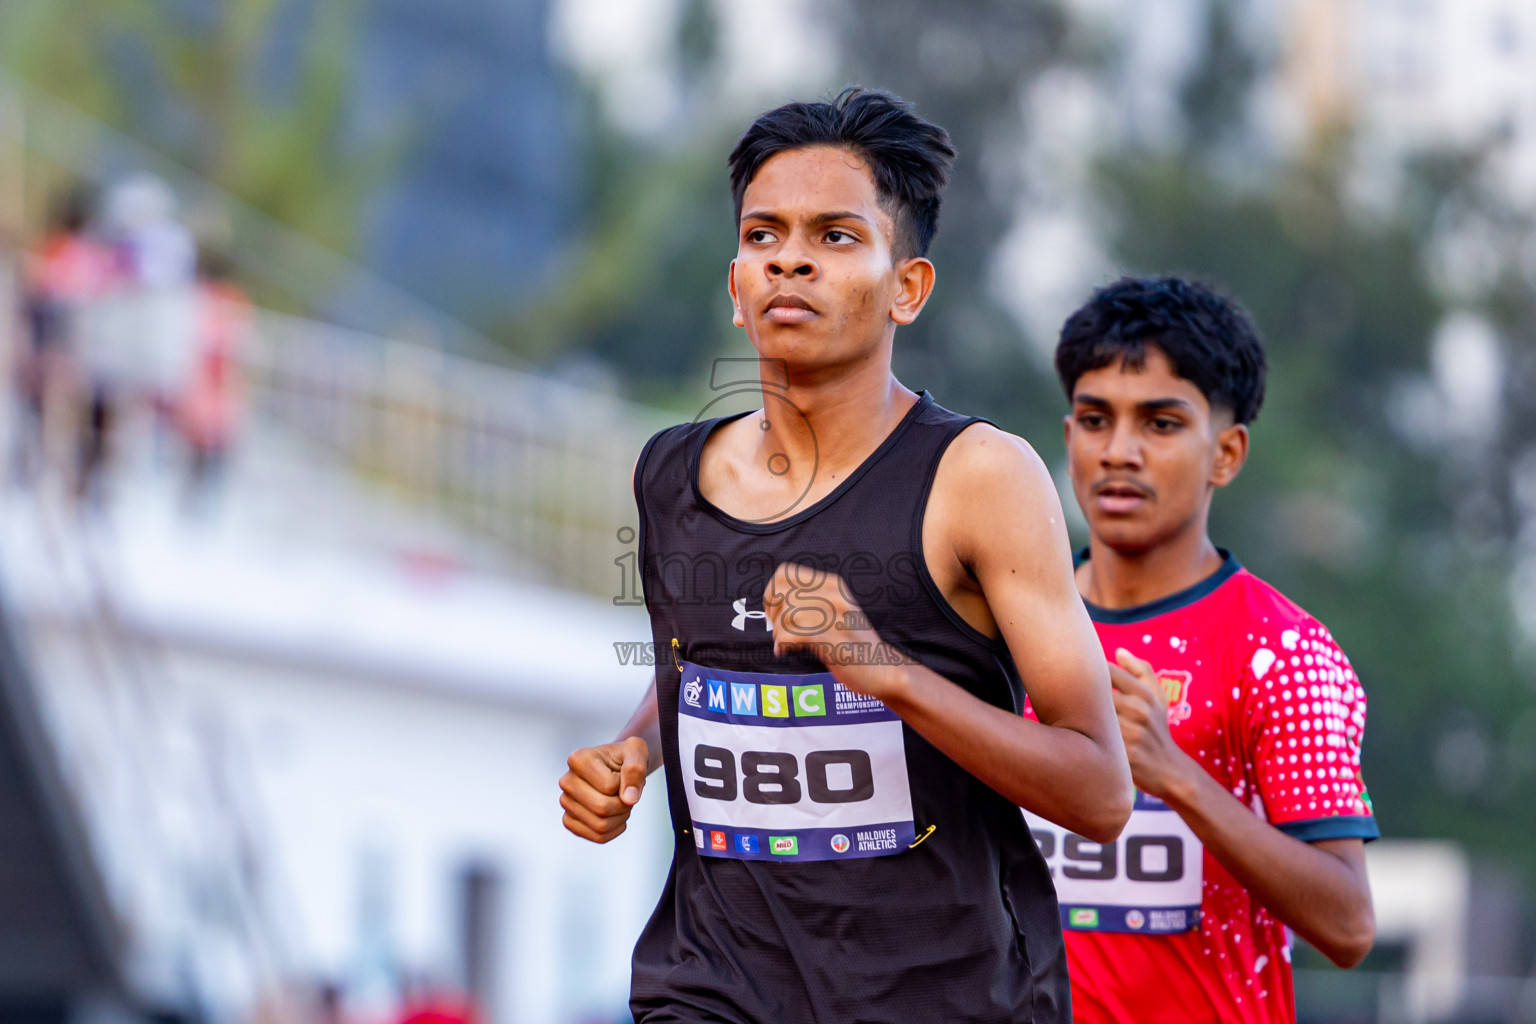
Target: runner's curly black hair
{"points": [[909, 157], [1210, 339]]}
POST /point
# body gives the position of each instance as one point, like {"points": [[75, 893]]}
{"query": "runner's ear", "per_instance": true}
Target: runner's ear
{"points": [[914, 279], [1231, 453], [730, 286]]}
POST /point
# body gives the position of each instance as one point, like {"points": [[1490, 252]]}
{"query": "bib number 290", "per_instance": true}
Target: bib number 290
{"points": [[1149, 881], [1148, 858], [774, 777]]}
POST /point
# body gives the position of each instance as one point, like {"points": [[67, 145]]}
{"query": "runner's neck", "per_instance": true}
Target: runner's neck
{"points": [[806, 441], [835, 423], [1113, 579]]}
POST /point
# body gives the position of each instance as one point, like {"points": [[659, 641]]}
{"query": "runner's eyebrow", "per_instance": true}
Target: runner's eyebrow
{"points": [[835, 215], [1151, 405], [818, 220], [1160, 404], [767, 216]]}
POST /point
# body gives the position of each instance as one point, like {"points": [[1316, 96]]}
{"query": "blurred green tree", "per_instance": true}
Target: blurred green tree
{"points": [[645, 288], [968, 66], [208, 84], [1402, 548]]}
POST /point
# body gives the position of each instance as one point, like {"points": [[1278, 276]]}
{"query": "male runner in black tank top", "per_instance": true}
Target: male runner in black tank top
{"points": [[845, 760]]}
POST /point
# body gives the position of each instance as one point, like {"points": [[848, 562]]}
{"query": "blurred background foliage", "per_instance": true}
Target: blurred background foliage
{"points": [[251, 95], [1402, 549], [1364, 500], [1395, 531]]}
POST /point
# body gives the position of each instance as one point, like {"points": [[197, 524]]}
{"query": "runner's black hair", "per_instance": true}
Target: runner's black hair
{"points": [[909, 157], [1210, 339]]}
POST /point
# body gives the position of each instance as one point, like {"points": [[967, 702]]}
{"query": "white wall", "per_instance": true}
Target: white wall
{"points": [[421, 782]]}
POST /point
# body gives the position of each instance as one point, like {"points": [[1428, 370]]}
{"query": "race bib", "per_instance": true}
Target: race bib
{"points": [[790, 768], [1147, 881]]}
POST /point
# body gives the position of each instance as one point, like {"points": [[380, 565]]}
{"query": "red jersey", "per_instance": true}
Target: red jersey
{"points": [[1261, 696]]}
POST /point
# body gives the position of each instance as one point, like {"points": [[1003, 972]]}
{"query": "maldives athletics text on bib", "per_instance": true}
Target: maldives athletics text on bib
{"points": [[790, 767], [1148, 881]]}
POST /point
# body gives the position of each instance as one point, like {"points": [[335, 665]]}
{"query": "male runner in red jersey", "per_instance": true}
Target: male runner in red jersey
{"points": [[1241, 717]]}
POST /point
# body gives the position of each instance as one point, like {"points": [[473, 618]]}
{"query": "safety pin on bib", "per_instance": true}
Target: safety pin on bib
{"points": [[925, 835], [675, 648]]}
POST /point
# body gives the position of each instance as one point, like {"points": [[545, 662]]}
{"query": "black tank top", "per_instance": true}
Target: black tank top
{"points": [[961, 927]]}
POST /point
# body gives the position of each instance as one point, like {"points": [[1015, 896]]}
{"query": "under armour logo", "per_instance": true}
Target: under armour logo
{"points": [[742, 615]]}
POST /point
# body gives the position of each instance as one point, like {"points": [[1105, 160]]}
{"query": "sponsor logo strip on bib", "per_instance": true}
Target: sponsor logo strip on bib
{"points": [[1146, 882], [790, 767]]}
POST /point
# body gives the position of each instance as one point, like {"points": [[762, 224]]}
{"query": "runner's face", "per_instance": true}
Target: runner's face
{"points": [[1145, 451], [813, 281]]}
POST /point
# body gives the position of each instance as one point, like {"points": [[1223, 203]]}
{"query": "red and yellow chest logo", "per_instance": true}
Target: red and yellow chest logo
{"points": [[1175, 684]]}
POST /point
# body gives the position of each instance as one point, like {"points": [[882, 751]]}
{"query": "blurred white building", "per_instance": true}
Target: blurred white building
{"points": [[312, 733], [1425, 71], [316, 738], [1417, 75]]}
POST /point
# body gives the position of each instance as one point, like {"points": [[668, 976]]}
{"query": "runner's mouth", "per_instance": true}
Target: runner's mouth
{"points": [[1120, 497], [789, 309]]}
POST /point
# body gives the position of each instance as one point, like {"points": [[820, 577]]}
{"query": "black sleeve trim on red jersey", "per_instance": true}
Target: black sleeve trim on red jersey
{"points": [[1340, 826]]}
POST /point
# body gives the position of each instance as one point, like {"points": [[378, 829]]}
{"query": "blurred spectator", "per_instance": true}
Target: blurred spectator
{"points": [[141, 347], [66, 273], [212, 401], [330, 1007], [429, 1001], [292, 1001]]}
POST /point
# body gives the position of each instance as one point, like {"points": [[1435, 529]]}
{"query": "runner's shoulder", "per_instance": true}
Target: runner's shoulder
{"points": [[667, 443], [984, 458], [1269, 620]]}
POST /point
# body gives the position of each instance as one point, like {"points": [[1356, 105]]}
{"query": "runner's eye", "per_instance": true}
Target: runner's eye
{"points": [[1091, 420], [758, 236], [1165, 425], [837, 236]]}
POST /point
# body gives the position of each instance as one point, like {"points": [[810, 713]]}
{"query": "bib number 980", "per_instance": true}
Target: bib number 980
{"points": [[1147, 858], [774, 777]]}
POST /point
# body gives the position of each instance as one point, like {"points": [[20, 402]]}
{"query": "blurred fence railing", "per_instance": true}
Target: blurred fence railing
{"points": [[537, 466]]}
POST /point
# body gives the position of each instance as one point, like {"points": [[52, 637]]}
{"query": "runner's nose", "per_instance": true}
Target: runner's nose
{"points": [[1122, 448], [792, 262]]}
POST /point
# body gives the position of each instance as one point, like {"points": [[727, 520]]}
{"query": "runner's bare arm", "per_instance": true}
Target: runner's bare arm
{"points": [[645, 723], [603, 783], [998, 509], [1319, 890]]}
